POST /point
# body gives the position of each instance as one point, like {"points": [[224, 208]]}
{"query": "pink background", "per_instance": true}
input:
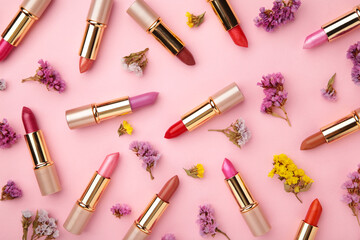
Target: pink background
{"points": [[78, 153]]}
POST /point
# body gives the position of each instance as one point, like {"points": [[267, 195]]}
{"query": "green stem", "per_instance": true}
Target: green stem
{"points": [[219, 231], [217, 130]]}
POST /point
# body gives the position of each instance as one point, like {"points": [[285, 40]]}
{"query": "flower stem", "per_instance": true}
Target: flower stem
{"points": [[217, 130], [219, 231], [149, 170], [29, 79], [287, 118], [25, 234], [296, 195]]}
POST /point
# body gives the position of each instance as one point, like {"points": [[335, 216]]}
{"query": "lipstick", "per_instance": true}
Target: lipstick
{"points": [[218, 103], [85, 207], [249, 208], [44, 168], [97, 21], [30, 11], [93, 114], [227, 17], [308, 227], [334, 29], [334, 131], [143, 226], [151, 22]]}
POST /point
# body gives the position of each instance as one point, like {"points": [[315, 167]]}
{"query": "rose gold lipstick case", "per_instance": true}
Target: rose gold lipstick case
{"points": [[306, 232]]}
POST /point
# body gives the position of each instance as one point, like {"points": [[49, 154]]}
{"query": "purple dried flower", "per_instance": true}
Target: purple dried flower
{"points": [[168, 236], [10, 191], [146, 153], [281, 13], [7, 135], [352, 196], [48, 76], [347, 198], [353, 53], [207, 223], [329, 92], [355, 74], [120, 210], [2, 84]]}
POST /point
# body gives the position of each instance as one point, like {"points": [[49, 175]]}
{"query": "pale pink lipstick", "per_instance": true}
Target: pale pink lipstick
{"points": [[315, 39], [109, 164]]}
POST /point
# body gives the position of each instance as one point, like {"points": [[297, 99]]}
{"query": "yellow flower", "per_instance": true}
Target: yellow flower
{"points": [[297, 189], [299, 172], [291, 167], [128, 127], [200, 170], [292, 181], [193, 20], [271, 173], [196, 171], [189, 22], [307, 179]]}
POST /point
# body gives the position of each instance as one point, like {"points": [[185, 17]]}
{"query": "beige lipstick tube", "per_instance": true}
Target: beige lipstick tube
{"points": [[249, 208], [30, 11], [44, 167], [225, 13], [97, 21], [306, 232]]}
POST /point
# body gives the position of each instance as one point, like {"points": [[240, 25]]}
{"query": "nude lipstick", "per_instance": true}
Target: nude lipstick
{"points": [[143, 226], [44, 168], [93, 114], [227, 17], [308, 227], [218, 103], [151, 22], [30, 11], [97, 21], [334, 131], [85, 207], [249, 208], [334, 29]]}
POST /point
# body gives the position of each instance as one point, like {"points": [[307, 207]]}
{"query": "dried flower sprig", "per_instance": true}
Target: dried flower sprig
{"points": [[119, 210], [26, 222], [196, 171], [2, 84], [329, 92], [275, 95], [168, 236], [352, 196], [48, 76], [135, 62], [10, 191], [296, 180], [125, 128], [7, 135], [147, 154], [44, 226], [207, 223], [281, 13], [194, 20], [238, 133], [353, 54]]}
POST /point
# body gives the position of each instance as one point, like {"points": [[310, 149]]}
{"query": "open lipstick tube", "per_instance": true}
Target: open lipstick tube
{"points": [[225, 13], [309, 226]]}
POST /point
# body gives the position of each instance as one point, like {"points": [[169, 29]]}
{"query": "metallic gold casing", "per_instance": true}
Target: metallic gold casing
{"points": [[306, 232], [92, 39], [134, 233], [342, 24], [151, 215], [342, 127], [225, 13]]}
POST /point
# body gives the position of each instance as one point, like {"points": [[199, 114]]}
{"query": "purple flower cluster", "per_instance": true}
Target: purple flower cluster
{"points": [[206, 221], [329, 92], [120, 210], [146, 153], [10, 191], [7, 135], [281, 13], [168, 236], [352, 196], [353, 55]]}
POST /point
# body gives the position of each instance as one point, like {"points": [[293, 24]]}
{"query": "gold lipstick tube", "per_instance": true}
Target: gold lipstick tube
{"points": [[44, 168], [342, 127], [249, 208], [220, 102], [142, 227], [97, 21], [93, 114], [151, 22], [30, 11], [225, 13], [84, 208], [342, 24], [306, 232]]}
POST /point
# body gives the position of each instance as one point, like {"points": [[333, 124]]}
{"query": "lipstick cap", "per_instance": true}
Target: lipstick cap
{"points": [[35, 7], [256, 221], [48, 180], [306, 232], [228, 97], [143, 14], [135, 233], [80, 117], [100, 10], [77, 219]]}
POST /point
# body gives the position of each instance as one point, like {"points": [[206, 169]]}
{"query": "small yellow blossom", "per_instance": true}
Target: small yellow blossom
{"points": [[125, 127], [193, 20], [196, 171]]}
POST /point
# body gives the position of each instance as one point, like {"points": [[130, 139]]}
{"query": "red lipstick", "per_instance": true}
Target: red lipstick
{"points": [[44, 168], [309, 227], [226, 15], [144, 225], [218, 103]]}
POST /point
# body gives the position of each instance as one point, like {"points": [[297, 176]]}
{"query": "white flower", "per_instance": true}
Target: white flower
{"points": [[52, 222], [56, 234], [134, 67], [124, 64], [2, 84], [26, 214]]}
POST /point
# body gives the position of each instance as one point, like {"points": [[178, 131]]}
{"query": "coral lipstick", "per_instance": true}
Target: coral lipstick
{"points": [[97, 20], [151, 22], [308, 228], [226, 15], [30, 11], [84, 208], [218, 103], [334, 131], [334, 29], [249, 207], [93, 114], [143, 226], [44, 168]]}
